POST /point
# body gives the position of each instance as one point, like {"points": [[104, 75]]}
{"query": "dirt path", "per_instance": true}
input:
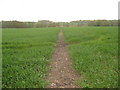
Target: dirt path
{"points": [[61, 74]]}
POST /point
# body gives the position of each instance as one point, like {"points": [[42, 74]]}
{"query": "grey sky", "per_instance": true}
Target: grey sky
{"points": [[58, 10]]}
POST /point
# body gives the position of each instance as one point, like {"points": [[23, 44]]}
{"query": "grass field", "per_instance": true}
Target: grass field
{"points": [[93, 51], [26, 54]]}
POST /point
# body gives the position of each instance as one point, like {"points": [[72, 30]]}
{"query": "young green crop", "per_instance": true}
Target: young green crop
{"points": [[93, 51], [26, 55]]}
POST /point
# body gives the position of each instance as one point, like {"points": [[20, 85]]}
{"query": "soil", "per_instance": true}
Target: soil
{"points": [[61, 73]]}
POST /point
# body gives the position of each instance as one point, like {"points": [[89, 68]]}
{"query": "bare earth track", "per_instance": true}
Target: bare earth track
{"points": [[61, 74]]}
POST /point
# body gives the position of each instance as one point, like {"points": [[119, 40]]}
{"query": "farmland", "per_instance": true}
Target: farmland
{"points": [[94, 55], [27, 53]]}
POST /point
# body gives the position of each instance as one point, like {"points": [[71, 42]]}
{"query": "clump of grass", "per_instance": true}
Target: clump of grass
{"points": [[93, 51]]}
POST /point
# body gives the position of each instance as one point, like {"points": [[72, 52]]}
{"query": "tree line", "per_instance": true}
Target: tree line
{"points": [[47, 23]]}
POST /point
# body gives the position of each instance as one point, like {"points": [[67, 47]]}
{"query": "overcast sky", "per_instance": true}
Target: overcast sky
{"points": [[58, 10]]}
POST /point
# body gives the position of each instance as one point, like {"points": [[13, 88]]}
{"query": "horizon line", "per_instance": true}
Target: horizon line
{"points": [[59, 21]]}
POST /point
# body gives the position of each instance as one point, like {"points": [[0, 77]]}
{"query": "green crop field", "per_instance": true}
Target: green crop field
{"points": [[26, 54], [93, 51]]}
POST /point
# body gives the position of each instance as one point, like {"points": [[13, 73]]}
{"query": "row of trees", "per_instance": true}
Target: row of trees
{"points": [[46, 23]]}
